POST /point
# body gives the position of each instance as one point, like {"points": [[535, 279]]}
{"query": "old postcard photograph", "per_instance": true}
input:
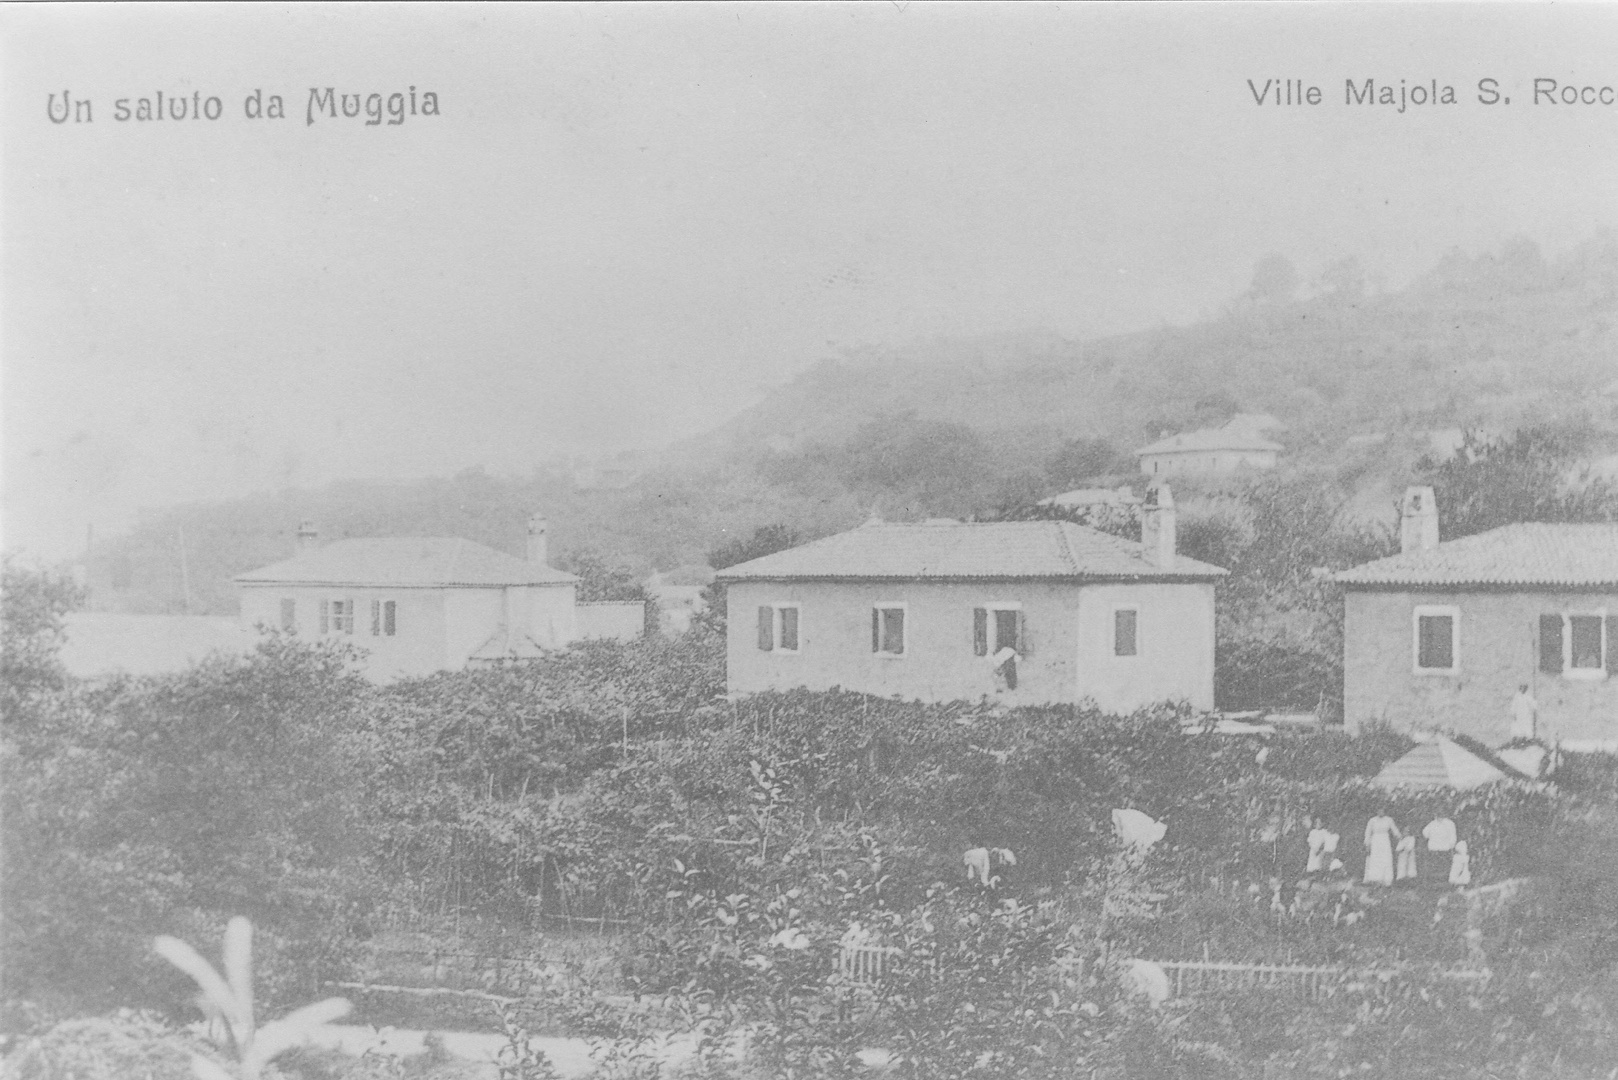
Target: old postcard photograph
{"points": [[736, 541]]}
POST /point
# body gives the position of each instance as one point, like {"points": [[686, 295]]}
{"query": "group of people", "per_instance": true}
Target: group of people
{"points": [[1392, 855]]}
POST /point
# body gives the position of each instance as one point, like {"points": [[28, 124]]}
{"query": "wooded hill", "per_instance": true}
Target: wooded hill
{"points": [[1360, 378]]}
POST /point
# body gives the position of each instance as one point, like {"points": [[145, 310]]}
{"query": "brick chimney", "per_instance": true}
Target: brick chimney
{"points": [[1157, 527], [1418, 521], [308, 538], [538, 540]]}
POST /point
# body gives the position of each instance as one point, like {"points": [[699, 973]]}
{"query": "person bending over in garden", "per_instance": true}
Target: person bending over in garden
{"points": [[1322, 846]]}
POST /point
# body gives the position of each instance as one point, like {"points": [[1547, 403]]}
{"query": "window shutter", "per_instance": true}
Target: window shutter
{"points": [[980, 631], [1612, 645], [325, 616], [389, 618], [376, 618], [766, 628], [876, 629], [289, 615], [1550, 644], [1025, 648]]}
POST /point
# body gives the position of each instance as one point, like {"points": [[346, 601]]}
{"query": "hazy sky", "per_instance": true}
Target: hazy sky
{"points": [[629, 221]]}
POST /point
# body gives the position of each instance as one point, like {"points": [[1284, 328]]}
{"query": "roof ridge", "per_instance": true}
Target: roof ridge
{"points": [[1067, 547]]}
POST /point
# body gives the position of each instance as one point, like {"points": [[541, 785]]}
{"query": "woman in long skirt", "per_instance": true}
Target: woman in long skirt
{"points": [[1380, 834]]}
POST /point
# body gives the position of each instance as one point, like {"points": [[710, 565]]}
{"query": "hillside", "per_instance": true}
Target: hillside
{"points": [[968, 426]]}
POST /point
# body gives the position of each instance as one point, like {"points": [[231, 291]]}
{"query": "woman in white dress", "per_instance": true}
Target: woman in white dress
{"points": [[1380, 834]]}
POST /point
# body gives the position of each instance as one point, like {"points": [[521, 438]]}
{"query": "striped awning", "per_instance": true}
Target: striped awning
{"points": [[1442, 763]]}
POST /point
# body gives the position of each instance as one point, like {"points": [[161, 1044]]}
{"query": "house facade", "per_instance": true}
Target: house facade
{"points": [[1208, 452], [417, 605], [1019, 612], [1443, 634]]}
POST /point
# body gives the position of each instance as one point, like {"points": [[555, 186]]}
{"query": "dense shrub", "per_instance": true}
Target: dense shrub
{"points": [[168, 804]]}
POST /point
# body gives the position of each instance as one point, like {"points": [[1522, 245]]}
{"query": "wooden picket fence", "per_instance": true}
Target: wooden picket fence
{"points": [[1308, 982], [864, 965]]}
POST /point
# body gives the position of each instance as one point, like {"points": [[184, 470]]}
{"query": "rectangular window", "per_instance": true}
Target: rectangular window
{"points": [[341, 616], [999, 626], [1578, 646], [1585, 652], [389, 617], [1435, 639], [289, 616], [1006, 625], [778, 628], [888, 630], [1125, 632]]}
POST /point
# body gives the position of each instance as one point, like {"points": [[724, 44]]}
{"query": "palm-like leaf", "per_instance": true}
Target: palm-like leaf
{"points": [[233, 999], [239, 974], [216, 994], [291, 1030]]}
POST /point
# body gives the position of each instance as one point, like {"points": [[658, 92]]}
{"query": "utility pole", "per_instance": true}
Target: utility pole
{"points": [[185, 573]]}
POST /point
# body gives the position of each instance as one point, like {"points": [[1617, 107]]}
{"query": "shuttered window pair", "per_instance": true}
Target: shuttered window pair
{"points": [[1583, 645], [384, 618], [337, 616], [995, 628], [888, 630], [778, 628]]}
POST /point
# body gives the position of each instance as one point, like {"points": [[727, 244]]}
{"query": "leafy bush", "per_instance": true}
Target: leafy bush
{"points": [[150, 805]]}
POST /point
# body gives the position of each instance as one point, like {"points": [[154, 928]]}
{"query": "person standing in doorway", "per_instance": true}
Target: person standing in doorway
{"points": [[1524, 714]]}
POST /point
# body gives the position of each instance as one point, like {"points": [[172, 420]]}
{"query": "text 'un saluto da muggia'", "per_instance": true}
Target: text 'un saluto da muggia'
{"points": [[327, 103]]}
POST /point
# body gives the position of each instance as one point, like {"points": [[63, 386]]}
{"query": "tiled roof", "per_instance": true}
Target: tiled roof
{"points": [[405, 561], [1211, 439], [1528, 554], [956, 549]]}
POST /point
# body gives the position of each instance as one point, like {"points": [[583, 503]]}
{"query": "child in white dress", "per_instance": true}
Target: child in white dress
{"points": [[1460, 867], [1405, 858]]}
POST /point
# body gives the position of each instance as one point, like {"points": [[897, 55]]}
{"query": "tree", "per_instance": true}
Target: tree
{"points": [[32, 603], [1079, 460], [766, 540], [600, 580], [1531, 475]]}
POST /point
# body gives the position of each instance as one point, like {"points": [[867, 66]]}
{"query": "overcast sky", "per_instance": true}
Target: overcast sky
{"points": [[629, 221]]}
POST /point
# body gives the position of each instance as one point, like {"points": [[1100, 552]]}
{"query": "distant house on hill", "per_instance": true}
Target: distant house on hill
{"points": [[1443, 634], [1021, 612], [1211, 451], [418, 604], [1082, 498]]}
